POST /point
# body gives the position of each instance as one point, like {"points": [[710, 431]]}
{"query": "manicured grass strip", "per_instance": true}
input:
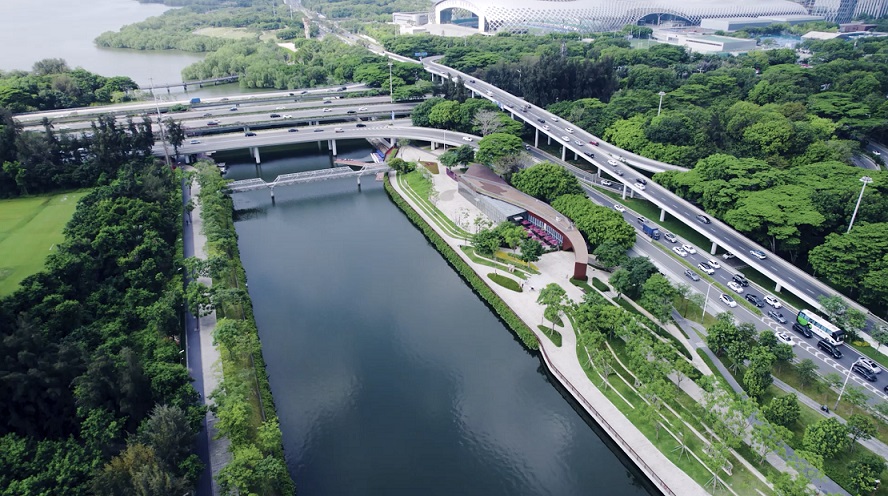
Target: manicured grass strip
{"points": [[30, 230], [653, 326], [506, 282], [524, 333], [581, 284], [478, 259], [600, 285], [418, 190], [552, 334]]}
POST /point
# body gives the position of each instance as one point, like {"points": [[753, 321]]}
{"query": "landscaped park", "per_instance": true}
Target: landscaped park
{"points": [[30, 228]]}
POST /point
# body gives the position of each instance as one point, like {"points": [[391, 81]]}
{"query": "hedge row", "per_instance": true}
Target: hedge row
{"points": [[524, 333]]}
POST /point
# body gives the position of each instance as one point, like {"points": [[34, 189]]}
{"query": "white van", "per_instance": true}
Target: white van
{"points": [[339, 130]]}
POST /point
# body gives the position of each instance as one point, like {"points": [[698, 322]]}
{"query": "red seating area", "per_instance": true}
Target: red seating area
{"points": [[539, 234]]}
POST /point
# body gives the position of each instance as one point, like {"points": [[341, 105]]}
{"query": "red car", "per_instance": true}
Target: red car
{"points": [[593, 143]]}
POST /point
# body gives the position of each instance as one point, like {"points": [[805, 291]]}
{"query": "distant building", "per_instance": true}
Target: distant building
{"points": [[410, 18], [853, 27], [730, 24], [704, 43]]}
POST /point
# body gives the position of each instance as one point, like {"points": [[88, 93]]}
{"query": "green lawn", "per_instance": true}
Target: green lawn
{"points": [[29, 229]]}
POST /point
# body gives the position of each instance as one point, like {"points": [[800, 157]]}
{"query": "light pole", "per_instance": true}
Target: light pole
{"points": [[660, 107], [391, 87], [520, 77], [166, 150], [705, 301], [865, 180], [844, 384]]}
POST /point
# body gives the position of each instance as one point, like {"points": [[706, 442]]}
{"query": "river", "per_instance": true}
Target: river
{"points": [[390, 376]]}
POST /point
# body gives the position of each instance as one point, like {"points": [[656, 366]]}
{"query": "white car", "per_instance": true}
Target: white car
{"points": [[735, 287], [714, 263], [640, 186], [727, 300], [758, 254], [287, 116], [688, 248], [613, 162], [467, 138], [728, 256], [546, 127], [279, 108], [706, 268], [679, 250], [774, 302], [362, 109], [619, 208], [605, 182], [570, 130], [554, 119], [326, 110], [870, 364], [566, 138], [195, 142], [785, 338]]}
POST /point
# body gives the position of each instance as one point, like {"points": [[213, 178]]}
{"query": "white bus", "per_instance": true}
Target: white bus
{"points": [[821, 327]]}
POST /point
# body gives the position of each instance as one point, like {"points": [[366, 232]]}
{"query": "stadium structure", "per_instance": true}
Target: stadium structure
{"points": [[491, 16]]}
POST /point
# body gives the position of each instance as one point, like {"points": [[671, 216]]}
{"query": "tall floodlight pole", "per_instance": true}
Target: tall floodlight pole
{"points": [[391, 86], [706, 301], [865, 180], [166, 150], [660, 107], [843, 386]]}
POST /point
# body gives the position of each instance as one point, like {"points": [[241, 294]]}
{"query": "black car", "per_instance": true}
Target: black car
{"points": [[803, 330], [291, 94], [352, 112], [864, 372], [831, 349], [541, 121], [702, 218], [755, 300], [360, 124], [618, 172], [327, 101], [292, 130], [274, 116], [249, 133], [741, 280], [590, 154], [692, 275], [779, 318], [303, 92], [642, 181], [342, 88]]}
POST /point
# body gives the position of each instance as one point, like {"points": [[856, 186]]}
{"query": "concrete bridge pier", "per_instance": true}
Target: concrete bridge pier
{"points": [[563, 152], [536, 137], [272, 194], [359, 183], [576, 157], [255, 152], [333, 147], [624, 190], [662, 215], [548, 140], [714, 247], [777, 287]]}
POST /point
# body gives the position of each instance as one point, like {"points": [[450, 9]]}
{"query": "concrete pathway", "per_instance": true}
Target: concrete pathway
{"points": [[203, 358], [556, 268]]}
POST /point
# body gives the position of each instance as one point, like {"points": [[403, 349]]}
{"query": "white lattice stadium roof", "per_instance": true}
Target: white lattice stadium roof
{"points": [[602, 15]]}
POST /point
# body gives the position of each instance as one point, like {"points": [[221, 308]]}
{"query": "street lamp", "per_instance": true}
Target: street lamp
{"points": [[519, 81], [660, 107], [705, 301], [865, 180], [845, 384], [166, 150], [391, 87]]}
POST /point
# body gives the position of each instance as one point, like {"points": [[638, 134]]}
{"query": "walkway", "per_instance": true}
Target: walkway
{"points": [[203, 358], [556, 268]]}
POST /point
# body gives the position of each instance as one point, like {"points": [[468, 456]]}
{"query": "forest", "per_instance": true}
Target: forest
{"points": [[96, 395], [51, 84]]}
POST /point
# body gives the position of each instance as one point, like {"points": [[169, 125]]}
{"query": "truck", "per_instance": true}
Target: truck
{"points": [[195, 101], [651, 231]]}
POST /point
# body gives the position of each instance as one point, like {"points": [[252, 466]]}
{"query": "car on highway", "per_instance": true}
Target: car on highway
{"points": [[605, 182], [773, 301], [194, 142], [249, 133], [232, 109], [755, 300], [590, 154], [467, 138], [641, 220], [326, 110], [861, 370], [292, 130], [613, 162], [727, 300], [690, 274], [870, 364], [566, 138], [570, 130], [208, 114], [740, 279], [785, 338], [303, 92], [735, 287], [668, 236], [224, 100], [287, 116], [362, 109], [351, 112], [829, 348], [679, 251], [593, 143], [688, 248], [803, 330], [360, 124], [318, 130], [274, 116], [541, 121], [554, 119], [758, 254], [728, 256], [777, 316], [641, 180], [702, 218], [279, 108], [546, 127], [618, 172], [579, 143], [619, 208], [509, 105], [327, 101], [489, 92], [705, 267], [640, 186], [212, 123]]}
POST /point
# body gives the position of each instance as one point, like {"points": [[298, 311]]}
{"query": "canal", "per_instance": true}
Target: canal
{"points": [[389, 374]]}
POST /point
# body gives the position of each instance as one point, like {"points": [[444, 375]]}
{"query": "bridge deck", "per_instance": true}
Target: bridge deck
{"points": [[306, 177]]}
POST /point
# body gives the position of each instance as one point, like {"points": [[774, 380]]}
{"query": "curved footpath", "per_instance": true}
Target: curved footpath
{"points": [[562, 361]]}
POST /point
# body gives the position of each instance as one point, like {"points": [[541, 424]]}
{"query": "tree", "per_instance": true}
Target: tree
{"points": [[486, 242], [168, 432], [865, 473], [807, 372], [449, 158], [496, 145], [531, 250], [465, 154], [621, 280], [610, 254], [175, 134], [860, 427], [553, 297], [826, 437], [487, 121], [783, 410], [855, 396], [758, 377], [880, 336], [657, 295], [401, 165], [510, 234], [768, 437], [546, 181]]}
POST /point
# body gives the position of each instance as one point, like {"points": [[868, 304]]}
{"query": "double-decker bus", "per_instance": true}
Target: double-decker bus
{"points": [[821, 327]]}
